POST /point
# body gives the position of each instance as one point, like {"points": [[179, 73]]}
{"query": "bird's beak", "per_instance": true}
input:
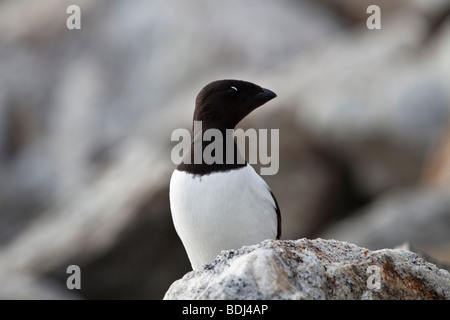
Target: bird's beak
{"points": [[265, 95]]}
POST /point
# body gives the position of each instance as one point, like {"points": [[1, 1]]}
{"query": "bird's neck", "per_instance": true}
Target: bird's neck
{"points": [[199, 125], [213, 149]]}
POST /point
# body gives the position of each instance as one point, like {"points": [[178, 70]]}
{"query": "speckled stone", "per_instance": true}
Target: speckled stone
{"points": [[313, 269]]}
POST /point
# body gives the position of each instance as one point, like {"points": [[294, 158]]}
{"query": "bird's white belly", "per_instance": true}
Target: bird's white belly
{"points": [[219, 211]]}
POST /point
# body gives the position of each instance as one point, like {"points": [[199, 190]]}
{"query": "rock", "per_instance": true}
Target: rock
{"points": [[356, 11], [417, 215], [27, 286], [437, 168], [313, 269], [429, 254], [383, 137]]}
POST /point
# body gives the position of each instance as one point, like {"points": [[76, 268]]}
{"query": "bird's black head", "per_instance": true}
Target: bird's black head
{"points": [[224, 103]]}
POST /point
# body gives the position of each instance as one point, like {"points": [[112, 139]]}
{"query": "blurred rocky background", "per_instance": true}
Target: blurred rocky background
{"points": [[86, 118]]}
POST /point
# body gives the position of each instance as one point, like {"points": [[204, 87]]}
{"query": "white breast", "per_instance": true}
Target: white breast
{"points": [[220, 211]]}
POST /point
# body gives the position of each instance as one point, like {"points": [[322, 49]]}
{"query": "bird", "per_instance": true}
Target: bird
{"points": [[224, 205]]}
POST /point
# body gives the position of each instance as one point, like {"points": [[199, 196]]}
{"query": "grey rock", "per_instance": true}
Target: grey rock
{"points": [[28, 287], [416, 215], [313, 269], [370, 112]]}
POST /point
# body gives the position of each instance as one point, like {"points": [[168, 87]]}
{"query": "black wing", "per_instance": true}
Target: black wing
{"points": [[277, 210]]}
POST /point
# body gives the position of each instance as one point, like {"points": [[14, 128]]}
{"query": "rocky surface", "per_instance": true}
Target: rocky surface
{"points": [[314, 269]]}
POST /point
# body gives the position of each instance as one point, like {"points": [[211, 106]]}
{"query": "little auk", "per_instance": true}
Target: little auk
{"points": [[224, 205]]}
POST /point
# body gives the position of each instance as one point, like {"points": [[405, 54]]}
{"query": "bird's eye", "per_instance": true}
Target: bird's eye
{"points": [[232, 91]]}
